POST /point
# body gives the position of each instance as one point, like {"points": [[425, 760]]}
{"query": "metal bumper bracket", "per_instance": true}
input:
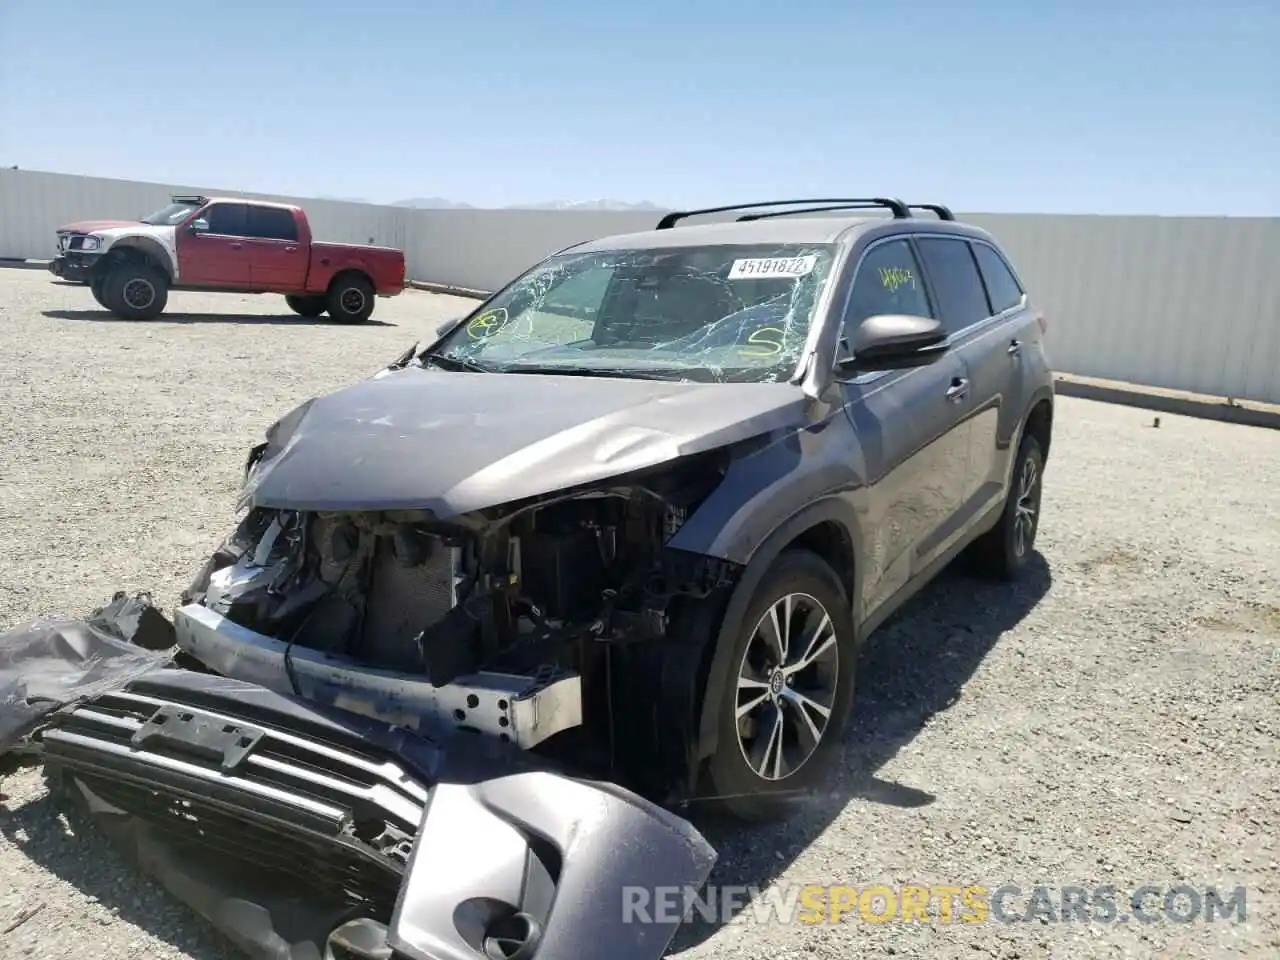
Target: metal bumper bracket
{"points": [[525, 710]]}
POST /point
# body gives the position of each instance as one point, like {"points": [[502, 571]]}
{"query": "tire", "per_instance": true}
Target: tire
{"points": [[1004, 550], [744, 771], [124, 291], [95, 288], [309, 307], [350, 299]]}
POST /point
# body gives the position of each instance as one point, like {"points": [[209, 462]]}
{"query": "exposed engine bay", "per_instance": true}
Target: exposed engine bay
{"points": [[513, 621]]}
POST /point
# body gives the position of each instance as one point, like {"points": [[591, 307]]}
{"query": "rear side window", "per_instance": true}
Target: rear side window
{"points": [[226, 219], [1002, 286], [888, 281], [271, 223], [962, 299]]}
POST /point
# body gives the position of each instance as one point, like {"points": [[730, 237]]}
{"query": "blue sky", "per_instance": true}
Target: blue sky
{"points": [[1127, 106]]}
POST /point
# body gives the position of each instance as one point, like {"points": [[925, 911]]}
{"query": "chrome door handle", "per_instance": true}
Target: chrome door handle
{"points": [[235, 246], [290, 249], [958, 389], [1014, 348]]}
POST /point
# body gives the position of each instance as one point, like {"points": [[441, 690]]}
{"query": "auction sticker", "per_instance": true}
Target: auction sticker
{"points": [[772, 267]]}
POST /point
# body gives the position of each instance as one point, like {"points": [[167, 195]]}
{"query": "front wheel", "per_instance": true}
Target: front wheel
{"points": [[350, 299], [309, 307], [784, 709], [135, 291]]}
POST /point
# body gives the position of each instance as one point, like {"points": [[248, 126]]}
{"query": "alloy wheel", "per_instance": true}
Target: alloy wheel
{"points": [[1026, 507], [138, 293], [786, 686], [352, 300]]}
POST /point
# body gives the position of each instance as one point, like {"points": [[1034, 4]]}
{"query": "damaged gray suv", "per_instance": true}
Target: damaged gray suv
{"points": [[640, 508]]}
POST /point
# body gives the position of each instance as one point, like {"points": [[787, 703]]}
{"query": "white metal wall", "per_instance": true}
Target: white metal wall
{"points": [[1190, 303], [1187, 303]]}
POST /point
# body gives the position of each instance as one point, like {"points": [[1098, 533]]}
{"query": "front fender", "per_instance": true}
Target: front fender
{"points": [[769, 480], [149, 247]]}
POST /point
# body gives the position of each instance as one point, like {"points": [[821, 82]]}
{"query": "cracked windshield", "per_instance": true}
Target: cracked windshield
{"points": [[169, 214], [730, 313]]}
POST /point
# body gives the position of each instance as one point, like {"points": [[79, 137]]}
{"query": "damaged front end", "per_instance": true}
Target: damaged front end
{"points": [[526, 622], [304, 832]]}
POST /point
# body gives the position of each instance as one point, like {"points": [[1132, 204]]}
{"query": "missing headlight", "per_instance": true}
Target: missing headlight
{"points": [[255, 454]]}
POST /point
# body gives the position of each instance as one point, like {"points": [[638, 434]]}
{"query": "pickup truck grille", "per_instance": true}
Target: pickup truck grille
{"points": [[70, 241], [211, 775]]}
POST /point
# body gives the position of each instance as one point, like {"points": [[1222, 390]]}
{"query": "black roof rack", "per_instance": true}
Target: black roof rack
{"points": [[944, 213], [900, 209], [791, 213], [179, 198]]}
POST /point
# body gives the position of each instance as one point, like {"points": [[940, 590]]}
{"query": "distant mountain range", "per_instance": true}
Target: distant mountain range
{"points": [[440, 203]]}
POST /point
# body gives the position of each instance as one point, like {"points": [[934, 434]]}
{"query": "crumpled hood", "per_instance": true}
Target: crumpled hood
{"points": [[452, 443], [89, 226]]}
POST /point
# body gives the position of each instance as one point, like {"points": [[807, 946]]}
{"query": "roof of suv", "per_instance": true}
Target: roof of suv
{"points": [[790, 229]]}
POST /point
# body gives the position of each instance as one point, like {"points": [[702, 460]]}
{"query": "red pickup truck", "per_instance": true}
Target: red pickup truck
{"points": [[225, 244]]}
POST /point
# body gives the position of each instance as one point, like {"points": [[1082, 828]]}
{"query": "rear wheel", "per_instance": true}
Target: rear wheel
{"points": [[135, 291], [1004, 550], [350, 299], [310, 307], [784, 711]]}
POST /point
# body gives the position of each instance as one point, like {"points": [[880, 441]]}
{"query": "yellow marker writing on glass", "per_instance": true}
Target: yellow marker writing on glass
{"points": [[894, 277], [764, 342], [487, 323]]}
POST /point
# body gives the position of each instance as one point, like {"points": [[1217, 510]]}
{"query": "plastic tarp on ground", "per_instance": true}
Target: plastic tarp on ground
{"points": [[49, 663]]}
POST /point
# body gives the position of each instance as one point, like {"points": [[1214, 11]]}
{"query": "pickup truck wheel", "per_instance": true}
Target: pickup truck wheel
{"points": [[784, 710], [351, 299], [1004, 550], [310, 307], [135, 291]]}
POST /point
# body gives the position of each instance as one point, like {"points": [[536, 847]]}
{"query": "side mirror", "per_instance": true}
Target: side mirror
{"points": [[200, 225], [894, 342]]}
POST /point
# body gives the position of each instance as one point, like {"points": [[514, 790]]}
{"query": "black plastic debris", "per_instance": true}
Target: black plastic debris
{"points": [[135, 620]]}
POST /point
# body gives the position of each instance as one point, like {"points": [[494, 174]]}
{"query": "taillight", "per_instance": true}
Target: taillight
{"points": [[1044, 323]]}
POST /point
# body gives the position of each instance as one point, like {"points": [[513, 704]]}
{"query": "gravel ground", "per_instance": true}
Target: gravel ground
{"points": [[1111, 721]]}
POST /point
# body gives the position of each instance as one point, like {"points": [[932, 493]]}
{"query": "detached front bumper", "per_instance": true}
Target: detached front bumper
{"points": [[300, 831], [519, 709], [74, 266]]}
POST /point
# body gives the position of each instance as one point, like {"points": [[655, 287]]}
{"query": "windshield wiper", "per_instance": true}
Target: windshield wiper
{"points": [[450, 362], [619, 374]]}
